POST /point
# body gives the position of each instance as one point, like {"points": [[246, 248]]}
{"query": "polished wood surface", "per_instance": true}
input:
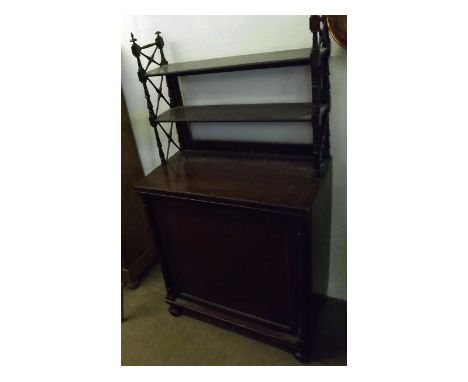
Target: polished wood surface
{"points": [[238, 241], [264, 180], [295, 57], [338, 28], [271, 112], [242, 238], [242, 253]]}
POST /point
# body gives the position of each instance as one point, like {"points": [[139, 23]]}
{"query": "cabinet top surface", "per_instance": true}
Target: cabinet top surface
{"points": [[274, 181], [243, 62]]}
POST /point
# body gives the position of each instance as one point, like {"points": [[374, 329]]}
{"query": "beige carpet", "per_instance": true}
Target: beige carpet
{"points": [[151, 336]]}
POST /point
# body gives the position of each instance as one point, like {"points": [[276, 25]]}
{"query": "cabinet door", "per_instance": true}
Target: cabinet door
{"points": [[245, 260]]}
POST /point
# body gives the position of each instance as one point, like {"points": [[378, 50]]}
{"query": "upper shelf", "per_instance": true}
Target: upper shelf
{"points": [[295, 57], [270, 112]]}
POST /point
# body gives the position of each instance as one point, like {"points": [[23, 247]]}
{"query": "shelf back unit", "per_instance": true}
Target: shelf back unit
{"points": [[316, 112]]}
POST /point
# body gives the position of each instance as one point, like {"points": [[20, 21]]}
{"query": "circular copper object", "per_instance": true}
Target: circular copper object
{"points": [[338, 29]]}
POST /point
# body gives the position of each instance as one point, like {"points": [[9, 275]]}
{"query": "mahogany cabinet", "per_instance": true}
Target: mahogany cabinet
{"points": [[242, 227], [242, 240]]}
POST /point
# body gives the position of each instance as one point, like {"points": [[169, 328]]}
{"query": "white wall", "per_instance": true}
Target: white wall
{"points": [[200, 37]]}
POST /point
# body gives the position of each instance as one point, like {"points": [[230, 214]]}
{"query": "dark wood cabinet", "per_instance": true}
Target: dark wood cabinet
{"points": [[242, 228], [236, 240]]}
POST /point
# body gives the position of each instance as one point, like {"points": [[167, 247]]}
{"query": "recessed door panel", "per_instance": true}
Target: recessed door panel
{"points": [[239, 258]]}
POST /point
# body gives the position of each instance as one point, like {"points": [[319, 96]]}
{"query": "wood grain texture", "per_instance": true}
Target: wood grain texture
{"points": [[262, 180], [236, 241]]}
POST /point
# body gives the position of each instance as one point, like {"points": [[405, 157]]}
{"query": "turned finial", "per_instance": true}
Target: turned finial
{"points": [[160, 44], [136, 49], [159, 40], [314, 23]]}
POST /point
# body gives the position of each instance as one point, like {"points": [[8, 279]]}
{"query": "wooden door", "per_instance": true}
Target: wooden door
{"points": [[245, 261]]}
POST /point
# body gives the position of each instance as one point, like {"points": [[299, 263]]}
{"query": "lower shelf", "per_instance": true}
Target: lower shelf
{"points": [[271, 112]]}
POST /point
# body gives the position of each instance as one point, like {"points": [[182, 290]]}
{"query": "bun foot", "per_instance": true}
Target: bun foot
{"points": [[175, 311], [132, 284], [302, 357]]}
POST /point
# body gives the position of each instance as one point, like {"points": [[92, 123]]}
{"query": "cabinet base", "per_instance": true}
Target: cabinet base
{"points": [[246, 326]]}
